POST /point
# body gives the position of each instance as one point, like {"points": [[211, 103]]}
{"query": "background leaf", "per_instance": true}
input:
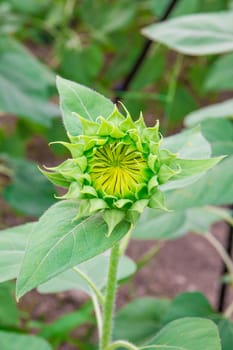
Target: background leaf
{"points": [[29, 192], [24, 84], [139, 320], [199, 34], [9, 314], [218, 110], [220, 75], [15, 341], [161, 225], [189, 334], [12, 247]]}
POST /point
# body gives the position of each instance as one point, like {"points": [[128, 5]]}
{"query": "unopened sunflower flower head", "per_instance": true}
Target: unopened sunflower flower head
{"points": [[117, 166]]}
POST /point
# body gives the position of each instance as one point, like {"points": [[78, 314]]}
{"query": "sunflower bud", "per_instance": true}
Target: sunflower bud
{"points": [[117, 166]]}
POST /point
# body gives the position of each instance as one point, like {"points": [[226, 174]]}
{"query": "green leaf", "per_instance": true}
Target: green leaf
{"points": [[188, 144], [58, 331], [139, 320], [60, 242], [13, 243], [192, 304], [79, 99], [188, 334], [171, 225], [88, 59], [219, 133], [15, 341], [218, 110], [214, 188], [24, 84], [199, 34], [181, 104], [220, 75], [9, 314], [29, 192], [226, 332], [96, 269]]}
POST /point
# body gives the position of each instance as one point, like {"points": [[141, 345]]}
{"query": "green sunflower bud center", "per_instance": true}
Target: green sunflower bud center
{"points": [[117, 169]]}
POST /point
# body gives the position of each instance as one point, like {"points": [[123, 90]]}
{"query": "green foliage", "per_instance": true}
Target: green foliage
{"points": [[28, 82], [220, 74], [189, 34], [29, 192], [180, 334], [12, 247], [139, 320], [9, 314], [15, 341], [59, 331], [89, 43], [218, 110]]}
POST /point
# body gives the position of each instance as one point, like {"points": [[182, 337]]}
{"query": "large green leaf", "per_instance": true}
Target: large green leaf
{"points": [[59, 242], [29, 192], [198, 34], [220, 74], [24, 84], [219, 133], [162, 225], [95, 269], [15, 341], [188, 144], [214, 188], [188, 334], [75, 98], [218, 110], [139, 320], [12, 246], [192, 145]]}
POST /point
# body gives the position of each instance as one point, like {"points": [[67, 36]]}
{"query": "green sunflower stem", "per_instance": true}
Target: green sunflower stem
{"points": [[109, 303]]}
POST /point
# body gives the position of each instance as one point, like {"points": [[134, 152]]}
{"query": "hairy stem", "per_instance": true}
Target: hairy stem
{"points": [[108, 309]]}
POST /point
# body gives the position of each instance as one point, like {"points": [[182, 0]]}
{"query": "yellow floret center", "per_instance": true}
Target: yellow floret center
{"points": [[117, 169]]}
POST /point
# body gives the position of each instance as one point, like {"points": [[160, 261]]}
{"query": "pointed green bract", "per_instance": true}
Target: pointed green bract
{"points": [[119, 166]]}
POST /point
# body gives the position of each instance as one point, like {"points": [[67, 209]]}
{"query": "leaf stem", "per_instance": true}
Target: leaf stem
{"points": [[123, 344], [110, 296], [221, 251], [98, 313], [90, 284], [229, 311]]}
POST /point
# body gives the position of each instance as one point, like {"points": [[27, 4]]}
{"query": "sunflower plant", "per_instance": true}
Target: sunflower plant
{"points": [[117, 167]]}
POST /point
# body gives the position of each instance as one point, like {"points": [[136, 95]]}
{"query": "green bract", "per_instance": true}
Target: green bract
{"points": [[116, 166]]}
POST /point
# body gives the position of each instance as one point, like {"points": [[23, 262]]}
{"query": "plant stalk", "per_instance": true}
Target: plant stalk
{"points": [[221, 251], [108, 309]]}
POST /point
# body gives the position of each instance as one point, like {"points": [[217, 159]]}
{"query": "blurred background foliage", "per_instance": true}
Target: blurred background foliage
{"points": [[96, 43]]}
